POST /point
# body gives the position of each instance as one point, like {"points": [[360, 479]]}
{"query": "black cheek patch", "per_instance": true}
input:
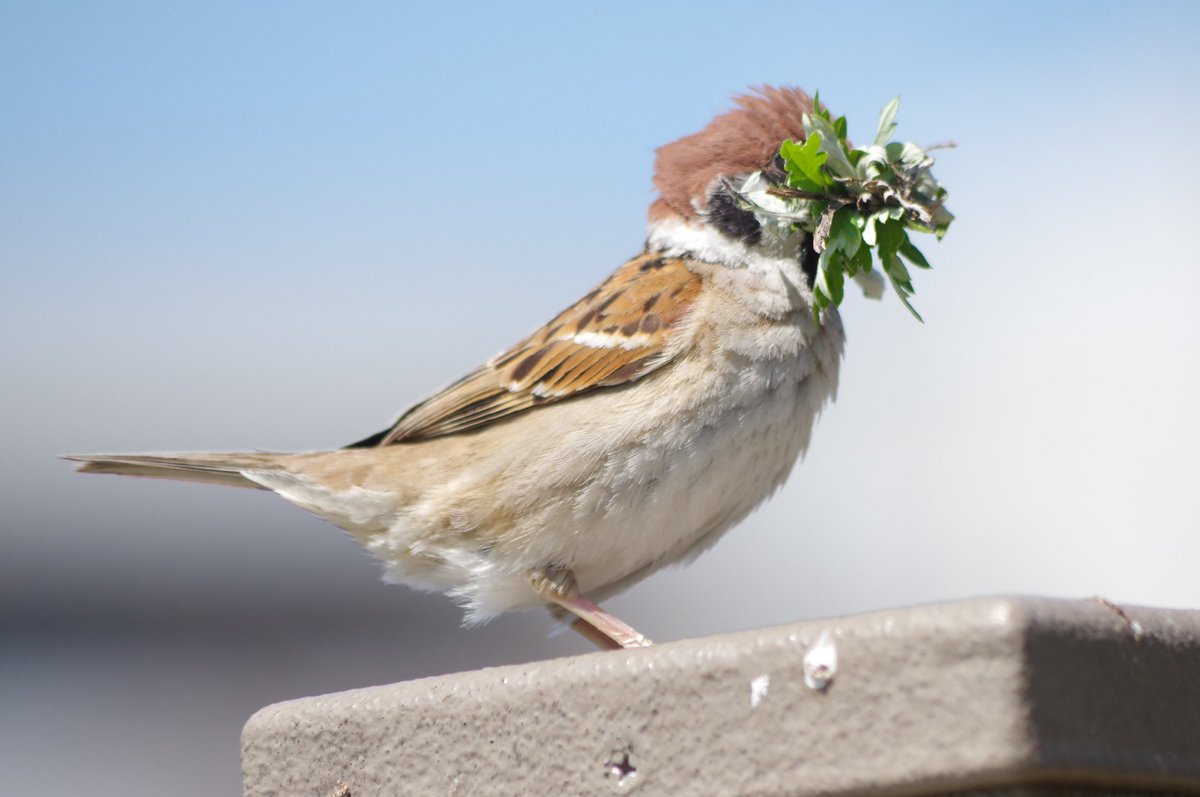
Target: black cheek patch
{"points": [[808, 259], [732, 221]]}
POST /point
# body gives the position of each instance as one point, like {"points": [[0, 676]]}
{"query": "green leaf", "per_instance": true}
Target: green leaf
{"points": [[912, 254], [830, 275], [862, 260], [883, 132], [898, 276], [818, 111], [893, 266], [820, 302], [900, 291], [890, 234], [839, 127], [804, 165], [843, 233]]}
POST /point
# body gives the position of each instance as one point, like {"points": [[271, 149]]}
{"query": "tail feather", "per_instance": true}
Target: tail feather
{"points": [[224, 469]]}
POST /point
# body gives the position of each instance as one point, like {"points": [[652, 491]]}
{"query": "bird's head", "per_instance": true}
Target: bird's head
{"points": [[697, 210]]}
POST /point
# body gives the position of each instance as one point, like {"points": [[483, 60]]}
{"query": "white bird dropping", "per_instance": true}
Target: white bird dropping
{"points": [[820, 663]]}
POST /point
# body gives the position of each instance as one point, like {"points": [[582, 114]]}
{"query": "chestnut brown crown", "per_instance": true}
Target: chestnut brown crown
{"points": [[737, 142]]}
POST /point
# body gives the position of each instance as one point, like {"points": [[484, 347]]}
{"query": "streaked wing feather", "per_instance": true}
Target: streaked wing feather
{"points": [[615, 334]]}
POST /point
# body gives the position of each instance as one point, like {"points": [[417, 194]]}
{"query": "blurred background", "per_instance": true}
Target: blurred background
{"points": [[235, 225]]}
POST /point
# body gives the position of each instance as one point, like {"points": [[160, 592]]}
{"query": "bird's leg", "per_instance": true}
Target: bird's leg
{"points": [[557, 585]]}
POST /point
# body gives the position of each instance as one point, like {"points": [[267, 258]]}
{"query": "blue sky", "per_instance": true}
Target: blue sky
{"points": [[211, 136], [235, 225]]}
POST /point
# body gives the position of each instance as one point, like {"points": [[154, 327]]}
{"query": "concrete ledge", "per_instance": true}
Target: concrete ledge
{"points": [[981, 695]]}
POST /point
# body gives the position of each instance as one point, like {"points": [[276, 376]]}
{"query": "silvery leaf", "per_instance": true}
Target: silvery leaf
{"points": [[837, 163], [886, 126], [872, 284]]}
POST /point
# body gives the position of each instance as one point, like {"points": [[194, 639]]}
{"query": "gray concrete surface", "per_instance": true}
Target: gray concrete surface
{"points": [[980, 695]]}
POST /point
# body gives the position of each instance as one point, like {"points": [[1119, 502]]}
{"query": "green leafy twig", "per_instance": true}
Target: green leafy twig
{"points": [[857, 203]]}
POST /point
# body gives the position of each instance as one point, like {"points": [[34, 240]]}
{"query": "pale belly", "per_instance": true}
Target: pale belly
{"points": [[719, 474]]}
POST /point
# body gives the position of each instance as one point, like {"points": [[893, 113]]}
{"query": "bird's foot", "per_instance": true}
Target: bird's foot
{"points": [[557, 585]]}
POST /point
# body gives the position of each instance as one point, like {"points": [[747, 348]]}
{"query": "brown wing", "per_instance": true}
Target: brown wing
{"points": [[613, 335]]}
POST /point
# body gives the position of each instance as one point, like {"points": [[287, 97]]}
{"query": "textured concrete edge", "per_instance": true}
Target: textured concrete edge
{"points": [[1114, 691], [927, 699]]}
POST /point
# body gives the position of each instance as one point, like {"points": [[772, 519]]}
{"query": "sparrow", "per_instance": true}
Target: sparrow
{"points": [[628, 433]]}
